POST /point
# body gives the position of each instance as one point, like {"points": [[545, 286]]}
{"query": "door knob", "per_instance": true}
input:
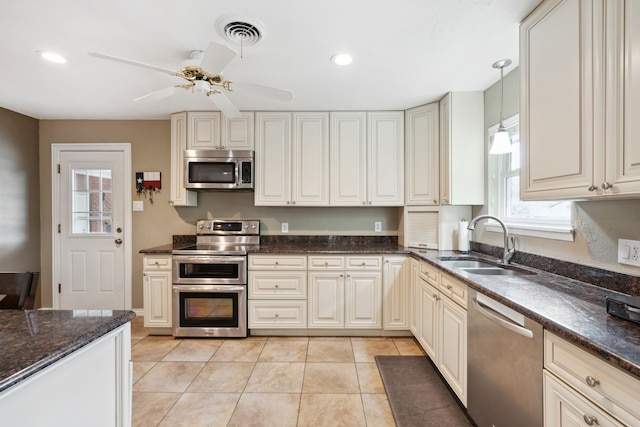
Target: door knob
{"points": [[118, 241]]}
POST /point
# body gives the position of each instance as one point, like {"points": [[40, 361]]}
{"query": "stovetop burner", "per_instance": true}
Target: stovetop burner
{"points": [[216, 249], [223, 237]]}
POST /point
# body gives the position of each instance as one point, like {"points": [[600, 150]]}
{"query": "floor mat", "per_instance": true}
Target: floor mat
{"points": [[417, 395]]}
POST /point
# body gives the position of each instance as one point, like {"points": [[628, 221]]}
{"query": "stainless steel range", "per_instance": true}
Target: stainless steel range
{"points": [[210, 279]]}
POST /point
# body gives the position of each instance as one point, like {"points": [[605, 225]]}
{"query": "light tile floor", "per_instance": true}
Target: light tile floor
{"points": [[260, 381]]}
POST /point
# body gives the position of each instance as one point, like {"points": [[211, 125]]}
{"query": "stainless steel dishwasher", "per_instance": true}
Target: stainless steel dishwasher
{"points": [[504, 365]]}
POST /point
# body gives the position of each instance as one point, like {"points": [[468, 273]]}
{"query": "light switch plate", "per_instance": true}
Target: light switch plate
{"points": [[629, 252], [138, 205]]}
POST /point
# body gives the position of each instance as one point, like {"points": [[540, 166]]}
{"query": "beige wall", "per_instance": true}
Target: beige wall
{"points": [[150, 151], [599, 224], [19, 191]]}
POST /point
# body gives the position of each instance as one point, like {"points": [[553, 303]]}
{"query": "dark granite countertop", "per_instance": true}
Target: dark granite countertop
{"points": [[570, 308], [31, 340]]}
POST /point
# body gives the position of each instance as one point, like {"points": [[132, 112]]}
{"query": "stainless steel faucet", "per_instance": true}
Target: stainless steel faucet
{"points": [[507, 253]]}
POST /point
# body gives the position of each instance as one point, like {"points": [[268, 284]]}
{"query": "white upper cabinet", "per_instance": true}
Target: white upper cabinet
{"points": [[273, 159], [292, 153], [367, 159], [462, 148], [237, 134], [385, 170], [203, 130], [348, 170], [579, 71], [422, 182], [310, 166], [178, 195]]}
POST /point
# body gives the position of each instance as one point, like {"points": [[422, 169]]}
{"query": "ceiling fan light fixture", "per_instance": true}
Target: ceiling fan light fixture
{"points": [[53, 57], [342, 59], [202, 86]]}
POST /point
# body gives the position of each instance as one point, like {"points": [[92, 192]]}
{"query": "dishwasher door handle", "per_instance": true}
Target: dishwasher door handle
{"points": [[488, 313]]}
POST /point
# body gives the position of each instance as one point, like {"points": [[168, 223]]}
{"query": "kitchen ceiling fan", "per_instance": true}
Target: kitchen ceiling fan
{"points": [[203, 73]]}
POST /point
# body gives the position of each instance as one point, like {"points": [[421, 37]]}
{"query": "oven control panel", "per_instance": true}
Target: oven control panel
{"points": [[228, 227]]}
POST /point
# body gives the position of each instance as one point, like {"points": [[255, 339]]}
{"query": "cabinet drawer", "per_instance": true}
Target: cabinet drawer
{"points": [[602, 383], [563, 403], [277, 314], [277, 285], [272, 262], [326, 263], [157, 262], [364, 263], [453, 289], [429, 274]]}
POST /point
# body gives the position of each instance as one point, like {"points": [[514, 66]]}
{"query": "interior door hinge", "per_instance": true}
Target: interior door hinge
{"points": [[58, 167], [59, 288], [59, 229]]}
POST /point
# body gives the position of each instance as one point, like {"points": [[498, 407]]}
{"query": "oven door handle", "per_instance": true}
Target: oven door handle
{"points": [[208, 259], [208, 288]]}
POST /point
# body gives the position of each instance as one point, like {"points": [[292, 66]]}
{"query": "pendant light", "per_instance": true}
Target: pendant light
{"points": [[501, 141]]}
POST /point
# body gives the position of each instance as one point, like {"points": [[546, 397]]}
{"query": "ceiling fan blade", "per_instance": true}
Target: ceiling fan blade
{"points": [[264, 91], [225, 105], [130, 62], [158, 95], [217, 57]]}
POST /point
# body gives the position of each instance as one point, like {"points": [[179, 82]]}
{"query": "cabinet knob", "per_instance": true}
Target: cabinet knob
{"points": [[592, 188], [293, 203], [276, 263], [591, 421], [449, 287], [364, 264], [435, 297], [364, 203], [277, 286], [171, 202], [277, 315], [591, 382], [606, 185], [326, 264]]}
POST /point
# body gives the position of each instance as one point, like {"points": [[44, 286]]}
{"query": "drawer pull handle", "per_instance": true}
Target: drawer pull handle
{"points": [[592, 421], [277, 286], [276, 262], [364, 264], [277, 315], [449, 287], [592, 382]]}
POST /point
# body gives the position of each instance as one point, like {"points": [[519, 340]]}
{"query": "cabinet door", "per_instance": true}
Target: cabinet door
{"points": [[237, 133], [310, 161], [565, 407], [396, 298], [203, 130], [422, 134], [273, 159], [452, 347], [326, 300], [560, 120], [178, 195], [428, 325], [385, 165], [363, 292], [348, 159], [622, 101], [414, 296], [157, 299]]}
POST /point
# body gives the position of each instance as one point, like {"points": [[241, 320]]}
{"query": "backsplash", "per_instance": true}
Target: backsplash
{"points": [[607, 279]]}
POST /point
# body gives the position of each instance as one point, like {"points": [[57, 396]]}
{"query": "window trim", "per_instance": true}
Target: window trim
{"points": [[531, 228]]}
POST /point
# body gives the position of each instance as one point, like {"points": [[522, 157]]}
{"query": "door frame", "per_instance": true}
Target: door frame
{"points": [[56, 149]]}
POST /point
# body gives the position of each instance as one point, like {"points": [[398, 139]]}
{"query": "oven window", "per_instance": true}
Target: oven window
{"points": [[212, 172], [207, 309], [209, 271]]}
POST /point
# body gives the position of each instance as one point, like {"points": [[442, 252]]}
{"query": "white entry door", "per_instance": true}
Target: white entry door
{"points": [[92, 261]]}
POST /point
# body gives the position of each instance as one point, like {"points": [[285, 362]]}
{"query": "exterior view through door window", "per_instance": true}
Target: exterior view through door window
{"points": [[92, 201]]}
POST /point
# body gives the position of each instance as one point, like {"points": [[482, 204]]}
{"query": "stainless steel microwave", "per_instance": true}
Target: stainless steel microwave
{"points": [[219, 169]]}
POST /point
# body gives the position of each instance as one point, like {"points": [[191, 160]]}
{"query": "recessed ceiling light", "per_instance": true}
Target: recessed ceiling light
{"points": [[342, 59], [52, 56]]}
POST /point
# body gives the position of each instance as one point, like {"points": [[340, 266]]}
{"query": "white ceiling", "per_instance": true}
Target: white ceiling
{"points": [[406, 53]]}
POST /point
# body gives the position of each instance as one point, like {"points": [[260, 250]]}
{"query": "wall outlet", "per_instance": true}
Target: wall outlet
{"points": [[285, 227], [377, 226], [629, 252]]}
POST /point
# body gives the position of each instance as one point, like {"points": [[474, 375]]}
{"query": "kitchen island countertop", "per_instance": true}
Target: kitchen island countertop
{"points": [[32, 340]]}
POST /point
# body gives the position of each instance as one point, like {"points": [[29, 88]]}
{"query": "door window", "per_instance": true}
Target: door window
{"points": [[92, 201]]}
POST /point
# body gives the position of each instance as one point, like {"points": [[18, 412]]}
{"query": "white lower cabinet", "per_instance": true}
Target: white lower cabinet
{"points": [[277, 294], [582, 389], [395, 303], [157, 291], [345, 292], [442, 325]]}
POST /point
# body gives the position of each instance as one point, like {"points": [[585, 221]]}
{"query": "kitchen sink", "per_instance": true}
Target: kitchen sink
{"points": [[482, 267]]}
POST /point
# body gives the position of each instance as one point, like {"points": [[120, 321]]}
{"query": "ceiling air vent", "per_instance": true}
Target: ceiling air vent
{"points": [[241, 30]]}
